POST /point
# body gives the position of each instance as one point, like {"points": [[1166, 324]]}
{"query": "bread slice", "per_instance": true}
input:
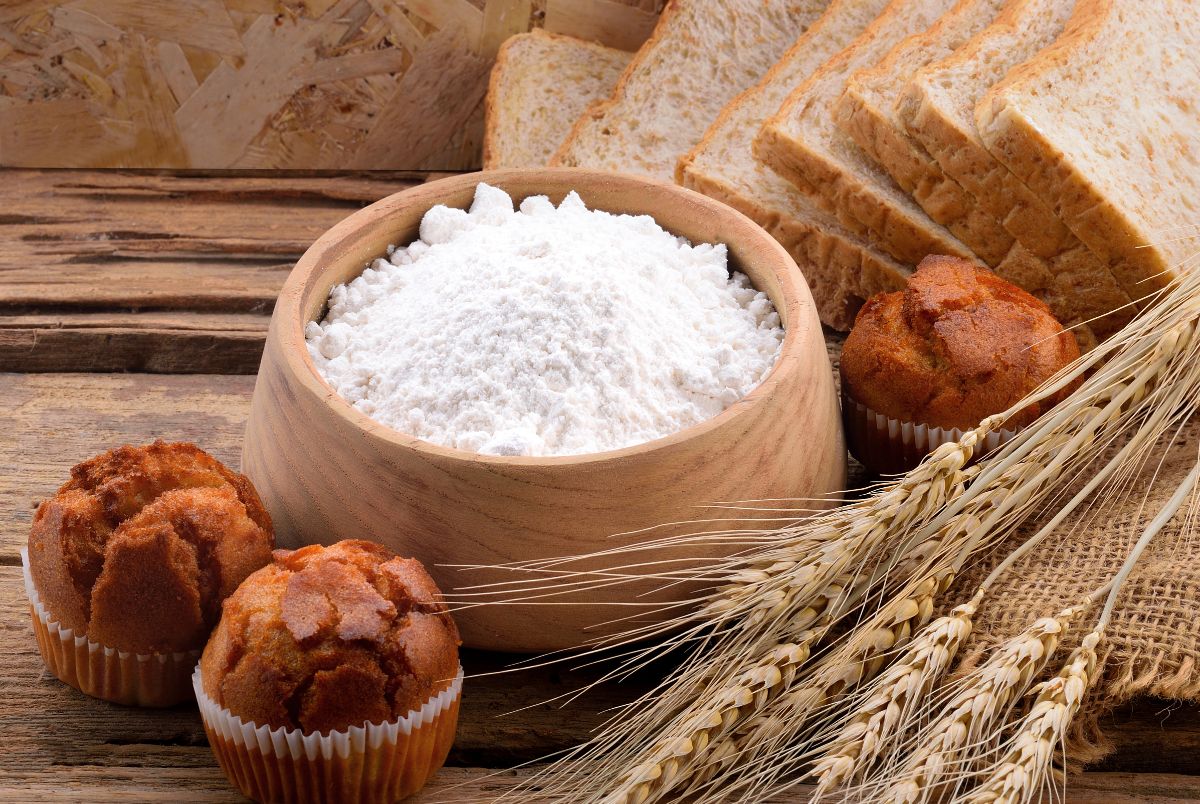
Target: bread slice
{"points": [[1105, 125], [701, 54], [842, 270], [937, 108], [802, 144], [540, 85], [867, 112]]}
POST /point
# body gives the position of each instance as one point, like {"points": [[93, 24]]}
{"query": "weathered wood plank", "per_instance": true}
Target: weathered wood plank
{"points": [[87, 256], [183, 342]]}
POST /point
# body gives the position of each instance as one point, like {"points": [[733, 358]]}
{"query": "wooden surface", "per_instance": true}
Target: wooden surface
{"points": [[348, 478], [267, 83], [57, 745]]}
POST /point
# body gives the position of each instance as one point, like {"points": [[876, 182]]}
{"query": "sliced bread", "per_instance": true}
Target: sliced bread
{"points": [[701, 54], [937, 108], [1105, 125], [540, 85], [842, 270], [802, 144], [867, 112]]}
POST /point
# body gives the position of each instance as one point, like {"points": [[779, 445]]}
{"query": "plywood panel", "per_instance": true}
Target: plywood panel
{"points": [[308, 84]]}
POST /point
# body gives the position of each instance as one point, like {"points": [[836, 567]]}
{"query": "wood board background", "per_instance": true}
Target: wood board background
{"points": [[302, 84]]}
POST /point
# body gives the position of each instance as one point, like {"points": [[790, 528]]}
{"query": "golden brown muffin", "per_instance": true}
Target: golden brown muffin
{"points": [[956, 346], [325, 638], [140, 547]]}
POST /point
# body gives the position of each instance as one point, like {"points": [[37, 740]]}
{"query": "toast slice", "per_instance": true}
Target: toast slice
{"points": [[1105, 125], [937, 108], [867, 112], [842, 270], [701, 54], [540, 85], [802, 144]]}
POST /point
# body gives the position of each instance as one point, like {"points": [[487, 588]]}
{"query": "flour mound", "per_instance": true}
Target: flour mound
{"points": [[544, 331]]}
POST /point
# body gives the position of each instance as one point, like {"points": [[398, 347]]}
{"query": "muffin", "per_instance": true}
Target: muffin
{"points": [[128, 563], [924, 365], [333, 675]]}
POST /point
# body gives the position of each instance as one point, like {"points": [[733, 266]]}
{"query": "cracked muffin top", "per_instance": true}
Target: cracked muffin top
{"points": [[956, 346], [325, 638], [141, 545]]}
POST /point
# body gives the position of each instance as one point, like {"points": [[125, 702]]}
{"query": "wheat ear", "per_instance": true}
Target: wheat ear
{"points": [[698, 731], [837, 673], [890, 707], [971, 715], [1022, 772]]}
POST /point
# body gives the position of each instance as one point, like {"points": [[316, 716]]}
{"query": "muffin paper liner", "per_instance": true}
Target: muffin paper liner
{"points": [[136, 679], [378, 762], [891, 446]]}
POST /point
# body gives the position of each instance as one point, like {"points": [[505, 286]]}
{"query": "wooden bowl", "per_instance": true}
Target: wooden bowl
{"points": [[327, 472]]}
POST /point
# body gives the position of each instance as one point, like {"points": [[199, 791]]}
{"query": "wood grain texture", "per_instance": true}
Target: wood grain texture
{"points": [[327, 472], [58, 745], [267, 83], [116, 271]]}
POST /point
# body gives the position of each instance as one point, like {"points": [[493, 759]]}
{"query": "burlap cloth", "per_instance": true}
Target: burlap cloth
{"points": [[1152, 646]]}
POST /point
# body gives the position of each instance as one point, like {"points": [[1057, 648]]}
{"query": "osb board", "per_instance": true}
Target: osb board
{"points": [[308, 84]]}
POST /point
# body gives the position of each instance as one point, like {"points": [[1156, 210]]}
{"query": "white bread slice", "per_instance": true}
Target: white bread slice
{"points": [[701, 54], [841, 269], [867, 112], [1105, 124], [540, 85], [937, 108], [802, 144]]}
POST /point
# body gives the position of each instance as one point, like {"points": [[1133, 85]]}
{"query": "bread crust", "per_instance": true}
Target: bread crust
{"points": [[1022, 145], [324, 638], [505, 61], [140, 546], [841, 271], [1082, 277], [957, 345], [902, 230]]}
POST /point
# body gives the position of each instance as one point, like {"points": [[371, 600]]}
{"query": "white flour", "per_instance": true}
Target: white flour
{"points": [[545, 331]]}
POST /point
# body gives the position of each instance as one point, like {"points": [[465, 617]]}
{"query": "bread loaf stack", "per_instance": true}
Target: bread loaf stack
{"points": [[1056, 142]]}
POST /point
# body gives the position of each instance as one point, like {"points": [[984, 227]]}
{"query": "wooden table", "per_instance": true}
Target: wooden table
{"points": [[134, 305]]}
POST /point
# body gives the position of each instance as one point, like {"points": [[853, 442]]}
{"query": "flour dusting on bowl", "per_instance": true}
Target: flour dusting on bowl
{"points": [[544, 331]]}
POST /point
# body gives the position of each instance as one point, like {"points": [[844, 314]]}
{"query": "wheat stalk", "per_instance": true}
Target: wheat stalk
{"points": [[801, 577], [1024, 767]]}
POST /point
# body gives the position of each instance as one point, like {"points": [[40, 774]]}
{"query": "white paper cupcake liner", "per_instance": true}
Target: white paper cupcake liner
{"points": [[135, 679], [378, 762], [893, 446]]}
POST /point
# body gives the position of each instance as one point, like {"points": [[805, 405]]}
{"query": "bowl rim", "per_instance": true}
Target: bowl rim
{"points": [[799, 310]]}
